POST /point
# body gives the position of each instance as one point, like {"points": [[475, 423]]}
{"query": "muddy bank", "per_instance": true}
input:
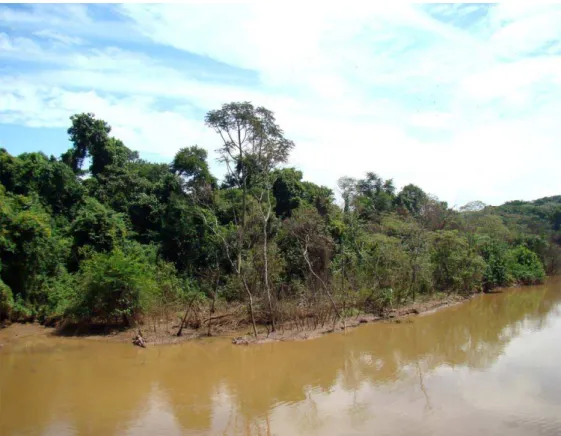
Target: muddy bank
{"points": [[399, 315], [16, 332]]}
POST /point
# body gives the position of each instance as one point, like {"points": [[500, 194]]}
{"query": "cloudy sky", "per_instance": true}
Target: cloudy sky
{"points": [[463, 100]]}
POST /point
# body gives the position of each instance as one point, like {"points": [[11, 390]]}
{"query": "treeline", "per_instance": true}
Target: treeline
{"points": [[100, 235]]}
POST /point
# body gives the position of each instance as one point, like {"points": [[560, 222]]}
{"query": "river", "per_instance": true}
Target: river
{"points": [[490, 366]]}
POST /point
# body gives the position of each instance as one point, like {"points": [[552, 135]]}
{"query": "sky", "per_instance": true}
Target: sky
{"points": [[463, 100]]}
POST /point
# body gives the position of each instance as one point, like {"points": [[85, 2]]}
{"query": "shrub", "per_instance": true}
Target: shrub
{"points": [[6, 300], [98, 226], [496, 269], [121, 285], [116, 284], [456, 266], [525, 266], [21, 310], [61, 292]]}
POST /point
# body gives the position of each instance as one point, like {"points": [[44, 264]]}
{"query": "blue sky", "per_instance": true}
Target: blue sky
{"points": [[463, 100]]}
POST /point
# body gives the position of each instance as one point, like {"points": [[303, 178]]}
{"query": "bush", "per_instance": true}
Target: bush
{"points": [[170, 292], [97, 226], [121, 285], [61, 292], [21, 310], [496, 269], [525, 266], [6, 301], [116, 285], [456, 266]]}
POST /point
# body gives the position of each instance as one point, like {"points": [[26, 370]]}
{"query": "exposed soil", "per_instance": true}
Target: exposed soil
{"points": [[16, 332], [396, 315]]}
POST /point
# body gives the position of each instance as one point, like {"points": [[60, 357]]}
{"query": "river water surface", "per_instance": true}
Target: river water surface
{"points": [[489, 366]]}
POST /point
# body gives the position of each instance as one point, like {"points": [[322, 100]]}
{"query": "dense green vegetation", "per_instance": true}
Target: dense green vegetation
{"points": [[102, 235]]}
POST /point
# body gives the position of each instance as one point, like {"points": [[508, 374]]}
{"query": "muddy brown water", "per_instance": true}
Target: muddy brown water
{"points": [[491, 366]]}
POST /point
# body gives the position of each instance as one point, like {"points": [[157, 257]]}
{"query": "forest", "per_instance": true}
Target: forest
{"points": [[99, 235]]}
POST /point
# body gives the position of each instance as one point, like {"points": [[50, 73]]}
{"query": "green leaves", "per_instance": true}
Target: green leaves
{"points": [[113, 285], [252, 143], [29, 248], [456, 267], [98, 227], [127, 237], [124, 283], [6, 300], [525, 266], [90, 137], [369, 197], [496, 271], [190, 162], [413, 199], [52, 181]]}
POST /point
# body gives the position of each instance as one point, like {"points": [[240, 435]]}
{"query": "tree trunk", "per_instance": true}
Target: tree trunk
{"points": [[266, 272], [307, 259], [344, 293], [251, 312], [180, 331], [244, 202], [213, 306]]}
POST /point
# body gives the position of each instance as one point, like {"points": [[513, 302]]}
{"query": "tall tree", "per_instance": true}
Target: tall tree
{"points": [[413, 199], [270, 149], [90, 138], [253, 144], [190, 163]]}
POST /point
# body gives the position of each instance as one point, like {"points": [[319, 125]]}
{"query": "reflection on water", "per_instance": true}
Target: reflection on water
{"points": [[491, 366]]}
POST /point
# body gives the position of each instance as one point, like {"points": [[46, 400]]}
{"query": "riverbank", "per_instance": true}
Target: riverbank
{"points": [[398, 315], [19, 331]]}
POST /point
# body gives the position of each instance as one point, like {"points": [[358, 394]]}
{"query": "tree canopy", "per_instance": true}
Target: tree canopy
{"points": [[125, 237]]}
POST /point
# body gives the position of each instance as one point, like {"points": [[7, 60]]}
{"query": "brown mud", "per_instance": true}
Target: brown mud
{"points": [[114, 333], [399, 315]]}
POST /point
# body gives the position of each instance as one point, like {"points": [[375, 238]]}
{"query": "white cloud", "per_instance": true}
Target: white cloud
{"points": [[133, 119], [503, 80], [12, 46], [59, 37], [465, 112]]}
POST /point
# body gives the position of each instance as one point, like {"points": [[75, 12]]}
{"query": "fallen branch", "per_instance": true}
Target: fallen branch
{"points": [[180, 332], [212, 318]]}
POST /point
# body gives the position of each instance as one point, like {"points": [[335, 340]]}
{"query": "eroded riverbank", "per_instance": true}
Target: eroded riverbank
{"points": [[18, 331], [396, 315]]}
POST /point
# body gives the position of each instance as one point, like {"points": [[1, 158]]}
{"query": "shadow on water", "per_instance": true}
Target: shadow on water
{"points": [[65, 386]]}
